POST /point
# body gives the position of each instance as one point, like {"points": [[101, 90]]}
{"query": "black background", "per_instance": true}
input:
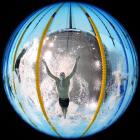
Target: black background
{"points": [[12, 12]]}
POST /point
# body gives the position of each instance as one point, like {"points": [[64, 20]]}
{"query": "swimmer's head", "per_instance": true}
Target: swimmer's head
{"points": [[62, 75]]}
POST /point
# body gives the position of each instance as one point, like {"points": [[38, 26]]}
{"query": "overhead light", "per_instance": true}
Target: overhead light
{"points": [[51, 44], [48, 55], [47, 38], [97, 64]]}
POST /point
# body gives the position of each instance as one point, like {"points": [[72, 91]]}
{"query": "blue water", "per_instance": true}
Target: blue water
{"points": [[114, 38]]}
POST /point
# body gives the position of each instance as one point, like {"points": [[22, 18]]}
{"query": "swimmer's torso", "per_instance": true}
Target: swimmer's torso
{"points": [[63, 87]]}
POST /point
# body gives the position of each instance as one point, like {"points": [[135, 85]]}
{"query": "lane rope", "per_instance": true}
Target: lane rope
{"points": [[103, 60], [15, 54], [37, 71], [13, 65], [17, 46]]}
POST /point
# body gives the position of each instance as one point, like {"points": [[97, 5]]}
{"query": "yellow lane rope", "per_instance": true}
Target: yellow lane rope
{"points": [[37, 71], [103, 60]]}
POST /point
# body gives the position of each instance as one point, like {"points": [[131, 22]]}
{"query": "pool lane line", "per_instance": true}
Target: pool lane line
{"points": [[17, 46], [7, 54], [70, 18], [128, 40], [22, 108], [112, 39], [41, 18], [13, 66], [130, 45], [37, 70], [127, 69], [103, 59], [126, 59], [120, 39]]}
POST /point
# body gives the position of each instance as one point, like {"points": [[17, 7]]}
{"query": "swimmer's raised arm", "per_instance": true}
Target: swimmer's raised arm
{"points": [[48, 71], [74, 69]]}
